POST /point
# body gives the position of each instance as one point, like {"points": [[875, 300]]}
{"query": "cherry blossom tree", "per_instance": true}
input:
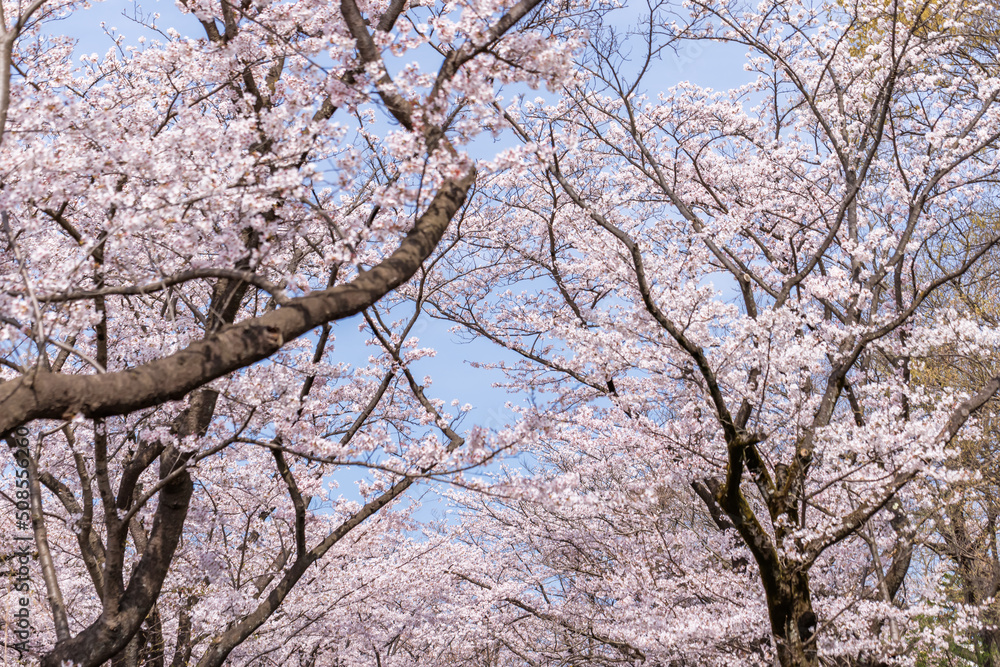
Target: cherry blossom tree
{"points": [[719, 300], [962, 532], [183, 221], [721, 304]]}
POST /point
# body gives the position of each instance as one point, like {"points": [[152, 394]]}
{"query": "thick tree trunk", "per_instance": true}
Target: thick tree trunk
{"points": [[990, 642], [786, 584], [111, 632], [793, 622]]}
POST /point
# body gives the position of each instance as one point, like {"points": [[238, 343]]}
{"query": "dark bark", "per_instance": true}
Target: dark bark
{"points": [[113, 629], [55, 395], [44, 395]]}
